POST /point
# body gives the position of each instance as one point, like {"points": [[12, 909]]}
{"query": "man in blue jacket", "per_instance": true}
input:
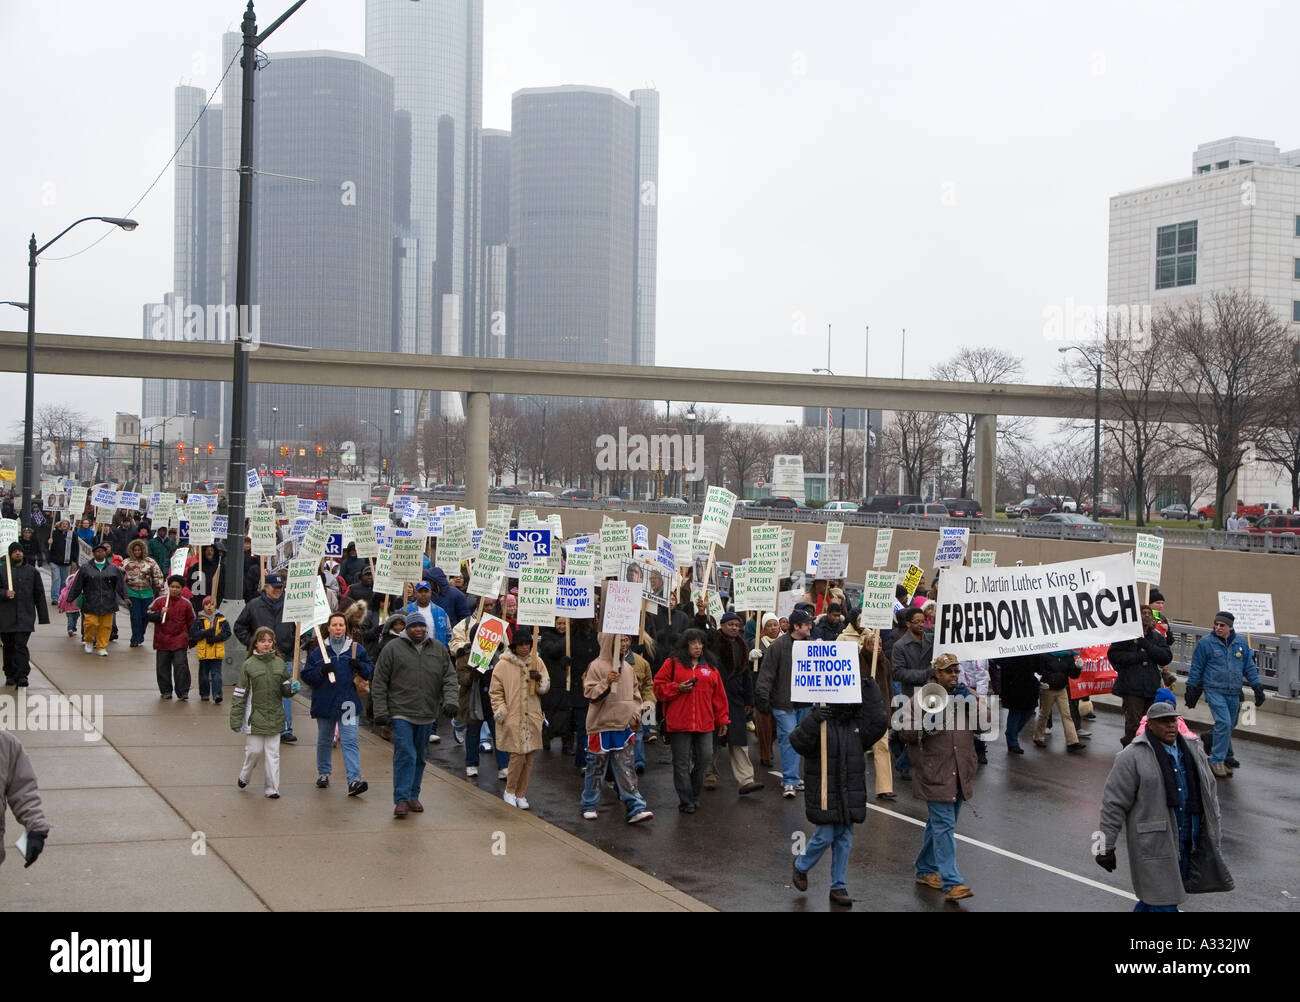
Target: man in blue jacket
{"points": [[1219, 663]]}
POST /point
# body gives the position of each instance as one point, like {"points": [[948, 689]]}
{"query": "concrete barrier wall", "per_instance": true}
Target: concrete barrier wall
{"points": [[1191, 580]]}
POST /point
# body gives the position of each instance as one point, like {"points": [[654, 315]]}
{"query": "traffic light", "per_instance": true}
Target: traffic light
{"points": [[105, 443], [284, 450], [320, 450], [384, 465], [81, 445], [209, 448], [180, 447], [56, 443], [182, 459]]}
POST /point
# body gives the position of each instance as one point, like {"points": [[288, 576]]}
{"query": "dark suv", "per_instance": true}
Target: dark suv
{"points": [[775, 502], [963, 508], [579, 494], [890, 504]]}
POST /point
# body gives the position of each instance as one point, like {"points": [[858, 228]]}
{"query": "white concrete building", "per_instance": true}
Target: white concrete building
{"points": [[1233, 224]]}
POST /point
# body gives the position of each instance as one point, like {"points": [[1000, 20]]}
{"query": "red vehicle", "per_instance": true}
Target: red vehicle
{"points": [[305, 487], [1251, 511], [1277, 523]]}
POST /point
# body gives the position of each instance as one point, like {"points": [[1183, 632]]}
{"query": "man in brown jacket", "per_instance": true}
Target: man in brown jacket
{"points": [[613, 720], [18, 792], [944, 774]]}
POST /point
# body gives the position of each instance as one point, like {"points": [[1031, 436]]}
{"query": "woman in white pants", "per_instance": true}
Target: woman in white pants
{"points": [[257, 709]]}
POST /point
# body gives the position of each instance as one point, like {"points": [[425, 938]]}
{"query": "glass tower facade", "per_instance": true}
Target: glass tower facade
{"points": [[647, 221]]}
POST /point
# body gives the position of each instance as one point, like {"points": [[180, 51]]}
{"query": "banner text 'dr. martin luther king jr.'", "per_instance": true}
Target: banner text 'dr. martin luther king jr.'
{"points": [[991, 612]]}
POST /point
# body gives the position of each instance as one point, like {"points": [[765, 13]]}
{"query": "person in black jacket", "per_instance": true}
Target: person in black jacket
{"points": [[851, 728], [22, 603], [1056, 669], [557, 702], [584, 648], [268, 610], [1138, 663], [62, 556], [31, 546], [1019, 694], [731, 655]]}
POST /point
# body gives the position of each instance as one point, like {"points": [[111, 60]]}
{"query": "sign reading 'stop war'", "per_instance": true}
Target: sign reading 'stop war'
{"points": [[990, 612]]}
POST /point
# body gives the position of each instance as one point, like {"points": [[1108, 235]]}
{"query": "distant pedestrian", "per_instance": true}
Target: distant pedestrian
{"points": [[1137, 664], [1221, 661], [145, 581], [1160, 791], [257, 710], [22, 605], [172, 616], [209, 633], [18, 792], [62, 556], [100, 586]]}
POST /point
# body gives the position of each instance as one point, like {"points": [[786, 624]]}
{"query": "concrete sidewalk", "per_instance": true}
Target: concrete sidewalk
{"points": [[147, 817]]}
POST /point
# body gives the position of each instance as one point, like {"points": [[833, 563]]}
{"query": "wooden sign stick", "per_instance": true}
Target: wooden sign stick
{"points": [[568, 665], [296, 641], [324, 651], [823, 729]]}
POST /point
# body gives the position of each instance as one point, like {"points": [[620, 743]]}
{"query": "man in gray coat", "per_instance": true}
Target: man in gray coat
{"points": [[18, 792], [1163, 793]]}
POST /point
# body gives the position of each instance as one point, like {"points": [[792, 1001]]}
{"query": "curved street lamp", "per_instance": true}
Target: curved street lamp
{"points": [[33, 252]]}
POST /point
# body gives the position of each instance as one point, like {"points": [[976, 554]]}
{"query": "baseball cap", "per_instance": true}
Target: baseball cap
{"points": [[799, 617], [274, 581], [423, 586]]}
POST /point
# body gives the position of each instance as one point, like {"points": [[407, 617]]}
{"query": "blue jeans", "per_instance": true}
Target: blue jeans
{"points": [[472, 748], [839, 839], [1016, 721], [624, 780], [58, 578], [638, 752], [409, 744], [787, 721], [139, 606], [1225, 709], [351, 747], [939, 850], [210, 678], [72, 621]]}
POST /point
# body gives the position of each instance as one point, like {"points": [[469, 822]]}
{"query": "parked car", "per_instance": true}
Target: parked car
{"points": [[1032, 507], [578, 494], [610, 501], [1106, 510], [1175, 511], [1251, 511], [680, 502], [840, 506], [926, 510], [541, 495], [889, 504], [509, 491], [1277, 523], [963, 507], [776, 501], [1069, 504]]}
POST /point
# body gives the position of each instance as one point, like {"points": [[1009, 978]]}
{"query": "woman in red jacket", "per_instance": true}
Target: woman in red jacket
{"points": [[694, 702], [171, 639]]}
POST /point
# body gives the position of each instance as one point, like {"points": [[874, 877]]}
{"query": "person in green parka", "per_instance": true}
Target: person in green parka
{"points": [[257, 709]]}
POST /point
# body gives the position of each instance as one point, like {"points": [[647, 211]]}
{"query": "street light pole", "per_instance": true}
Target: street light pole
{"points": [[29, 416], [1096, 432], [690, 416], [238, 469]]}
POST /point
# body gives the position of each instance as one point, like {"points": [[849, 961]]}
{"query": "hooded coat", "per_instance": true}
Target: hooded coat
{"points": [[516, 702], [851, 730], [614, 707], [20, 613]]}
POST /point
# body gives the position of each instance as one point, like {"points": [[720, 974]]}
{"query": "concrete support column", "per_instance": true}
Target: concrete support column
{"points": [[986, 462], [476, 453]]}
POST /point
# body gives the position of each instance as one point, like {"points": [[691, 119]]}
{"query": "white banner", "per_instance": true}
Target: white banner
{"points": [[825, 672], [878, 601], [536, 595], [1252, 611], [951, 549], [715, 520], [575, 596], [884, 540], [1008, 611], [1148, 555], [622, 608]]}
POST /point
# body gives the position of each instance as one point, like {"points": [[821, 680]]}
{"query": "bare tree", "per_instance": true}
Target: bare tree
{"points": [[977, 365], [59, 421], [747, 448], [1280, 443], [1231, 355], [911, 443]]}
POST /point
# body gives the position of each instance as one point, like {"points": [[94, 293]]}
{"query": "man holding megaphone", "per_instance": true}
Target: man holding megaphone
{"points": [[943, 772]]}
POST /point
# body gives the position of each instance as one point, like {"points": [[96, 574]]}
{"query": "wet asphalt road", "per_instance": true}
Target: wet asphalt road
{"points": [[735, 853]]}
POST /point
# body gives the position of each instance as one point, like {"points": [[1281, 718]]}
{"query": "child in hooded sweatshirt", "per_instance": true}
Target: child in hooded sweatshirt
{"points": [[172, 616]]}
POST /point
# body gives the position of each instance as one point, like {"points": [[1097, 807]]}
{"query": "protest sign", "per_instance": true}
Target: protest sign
{"points": [[254, 482], [810, 561], [220, 526], [104, 497], [354, 506], [641, 536], [77, 502], [334, 545], [575, 596], [537, 584], [786, 601], [1148, 555], [983, 558], [715, 520], [314, 538], [408, 555], [500, 515], [180, 557], [884, 540], [740, 598], [951, 549], [833, 561], [1252, 611], [622, 607], [557, 527], [1097, 677], [991, 612], [580, 563], [787, 553], [538, 541], [129, 500], [305, 506], [825, 672], [765, 542], [680, 535], [201, 528], [518, 553], [455, 546], [261, 530], [664, 554], [763, 583], [363, 533], [906, 558], [300, 590], [834, 532], [384, 581], [912, 578], [490, 564], [487, 638], [615, 546], [878, 601]]}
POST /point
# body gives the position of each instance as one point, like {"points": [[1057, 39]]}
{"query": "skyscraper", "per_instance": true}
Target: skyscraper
{"points": [[434, 52], [573, 224], [494, 286], [647, 222]]}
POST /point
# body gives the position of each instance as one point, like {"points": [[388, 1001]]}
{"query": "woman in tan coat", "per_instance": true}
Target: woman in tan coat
{"points": [[518, 682]]}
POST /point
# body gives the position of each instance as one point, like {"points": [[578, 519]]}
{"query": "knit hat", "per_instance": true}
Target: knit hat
{"points": [[727, 617], [1165, 696], [1222, 616], [1156, 596], [769, 617], [15, 546], [799, 617]]}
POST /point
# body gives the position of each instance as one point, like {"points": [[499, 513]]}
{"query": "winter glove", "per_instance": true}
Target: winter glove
{"points": [[755, 655], [1259, 695], [821, 713], [35, 846], [566, 662], [1106, 860], [153, 616], [450, 709], [295, 686], [382, 721], [763, 706], [1192, 695]]}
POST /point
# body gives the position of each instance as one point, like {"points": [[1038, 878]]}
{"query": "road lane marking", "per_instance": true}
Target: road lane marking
{"points": [[1015, 855]]}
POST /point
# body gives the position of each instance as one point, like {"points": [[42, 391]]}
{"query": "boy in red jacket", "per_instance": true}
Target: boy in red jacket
{"points": [[172, 618]]}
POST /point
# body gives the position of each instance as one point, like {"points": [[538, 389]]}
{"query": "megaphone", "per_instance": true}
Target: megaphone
{"points": [[932, 698]]}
